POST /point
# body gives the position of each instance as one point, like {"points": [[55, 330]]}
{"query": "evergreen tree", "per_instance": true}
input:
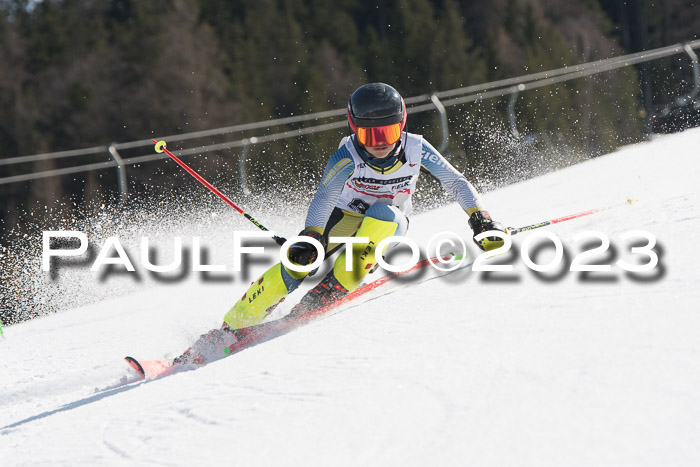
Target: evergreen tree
{"points": [[79, 73]]}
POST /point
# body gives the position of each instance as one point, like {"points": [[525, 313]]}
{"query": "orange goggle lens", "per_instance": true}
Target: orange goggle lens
{"points": [[379, 135]]}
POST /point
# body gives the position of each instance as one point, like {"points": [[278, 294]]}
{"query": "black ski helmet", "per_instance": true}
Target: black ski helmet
{"points": [[377, 114]]}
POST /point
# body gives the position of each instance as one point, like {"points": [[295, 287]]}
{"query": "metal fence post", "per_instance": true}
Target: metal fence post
{"points": [[121, 172], [696, 76], [511, 110], [680, 101], [443, 122], [241, 166]]}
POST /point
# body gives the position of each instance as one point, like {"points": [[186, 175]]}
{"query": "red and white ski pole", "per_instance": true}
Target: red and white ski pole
{"points": [[514, 230], [160, 147]]}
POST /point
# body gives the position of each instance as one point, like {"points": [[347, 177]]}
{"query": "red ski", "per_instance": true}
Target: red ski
{"points": [[150, 368], [259, 333]]}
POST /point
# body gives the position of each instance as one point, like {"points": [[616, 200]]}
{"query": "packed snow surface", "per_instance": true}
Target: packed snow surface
{"points": [[558, 368]]}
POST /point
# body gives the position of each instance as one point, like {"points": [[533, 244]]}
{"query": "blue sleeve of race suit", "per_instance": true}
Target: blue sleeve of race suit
{"points": [[339, 168], [452, 180]]}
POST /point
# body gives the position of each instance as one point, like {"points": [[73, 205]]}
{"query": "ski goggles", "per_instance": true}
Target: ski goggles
{"points": [[378, 135]]}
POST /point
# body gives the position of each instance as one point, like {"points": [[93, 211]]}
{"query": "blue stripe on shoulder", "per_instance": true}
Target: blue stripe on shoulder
{"points": [[340, 162]]}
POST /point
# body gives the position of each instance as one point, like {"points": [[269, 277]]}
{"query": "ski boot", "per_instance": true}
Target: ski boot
{"points": [[328, 291], [209, 346]]}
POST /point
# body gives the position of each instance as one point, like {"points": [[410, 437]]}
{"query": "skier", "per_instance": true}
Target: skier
{"points": [[366, 192]]}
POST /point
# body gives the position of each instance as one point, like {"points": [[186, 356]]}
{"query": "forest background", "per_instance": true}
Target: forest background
{"points": [[80, 73]]}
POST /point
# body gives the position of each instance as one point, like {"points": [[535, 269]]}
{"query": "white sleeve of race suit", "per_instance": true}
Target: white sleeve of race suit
{"points": [[339, 168], [451, 179]]}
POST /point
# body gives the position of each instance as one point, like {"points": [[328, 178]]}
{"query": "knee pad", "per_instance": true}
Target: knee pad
{"points": [[384, 212], [363, 254]]}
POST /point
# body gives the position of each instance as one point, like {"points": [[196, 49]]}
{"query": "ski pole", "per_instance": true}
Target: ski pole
{"points": [[160, 147], [513, 230]]}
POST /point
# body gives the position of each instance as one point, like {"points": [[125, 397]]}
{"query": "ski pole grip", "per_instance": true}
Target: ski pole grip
{"points": [[279, 240]]}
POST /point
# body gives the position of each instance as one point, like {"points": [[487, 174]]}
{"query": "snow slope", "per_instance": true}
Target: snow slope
{"points": [[466, 369]]}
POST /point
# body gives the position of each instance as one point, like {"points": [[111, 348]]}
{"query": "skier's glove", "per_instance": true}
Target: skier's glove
{"points": [[480, 221], [303, 253]]}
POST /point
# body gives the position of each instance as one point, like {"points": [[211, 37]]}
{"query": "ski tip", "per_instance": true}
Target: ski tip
{"points": [[133, 363]]}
